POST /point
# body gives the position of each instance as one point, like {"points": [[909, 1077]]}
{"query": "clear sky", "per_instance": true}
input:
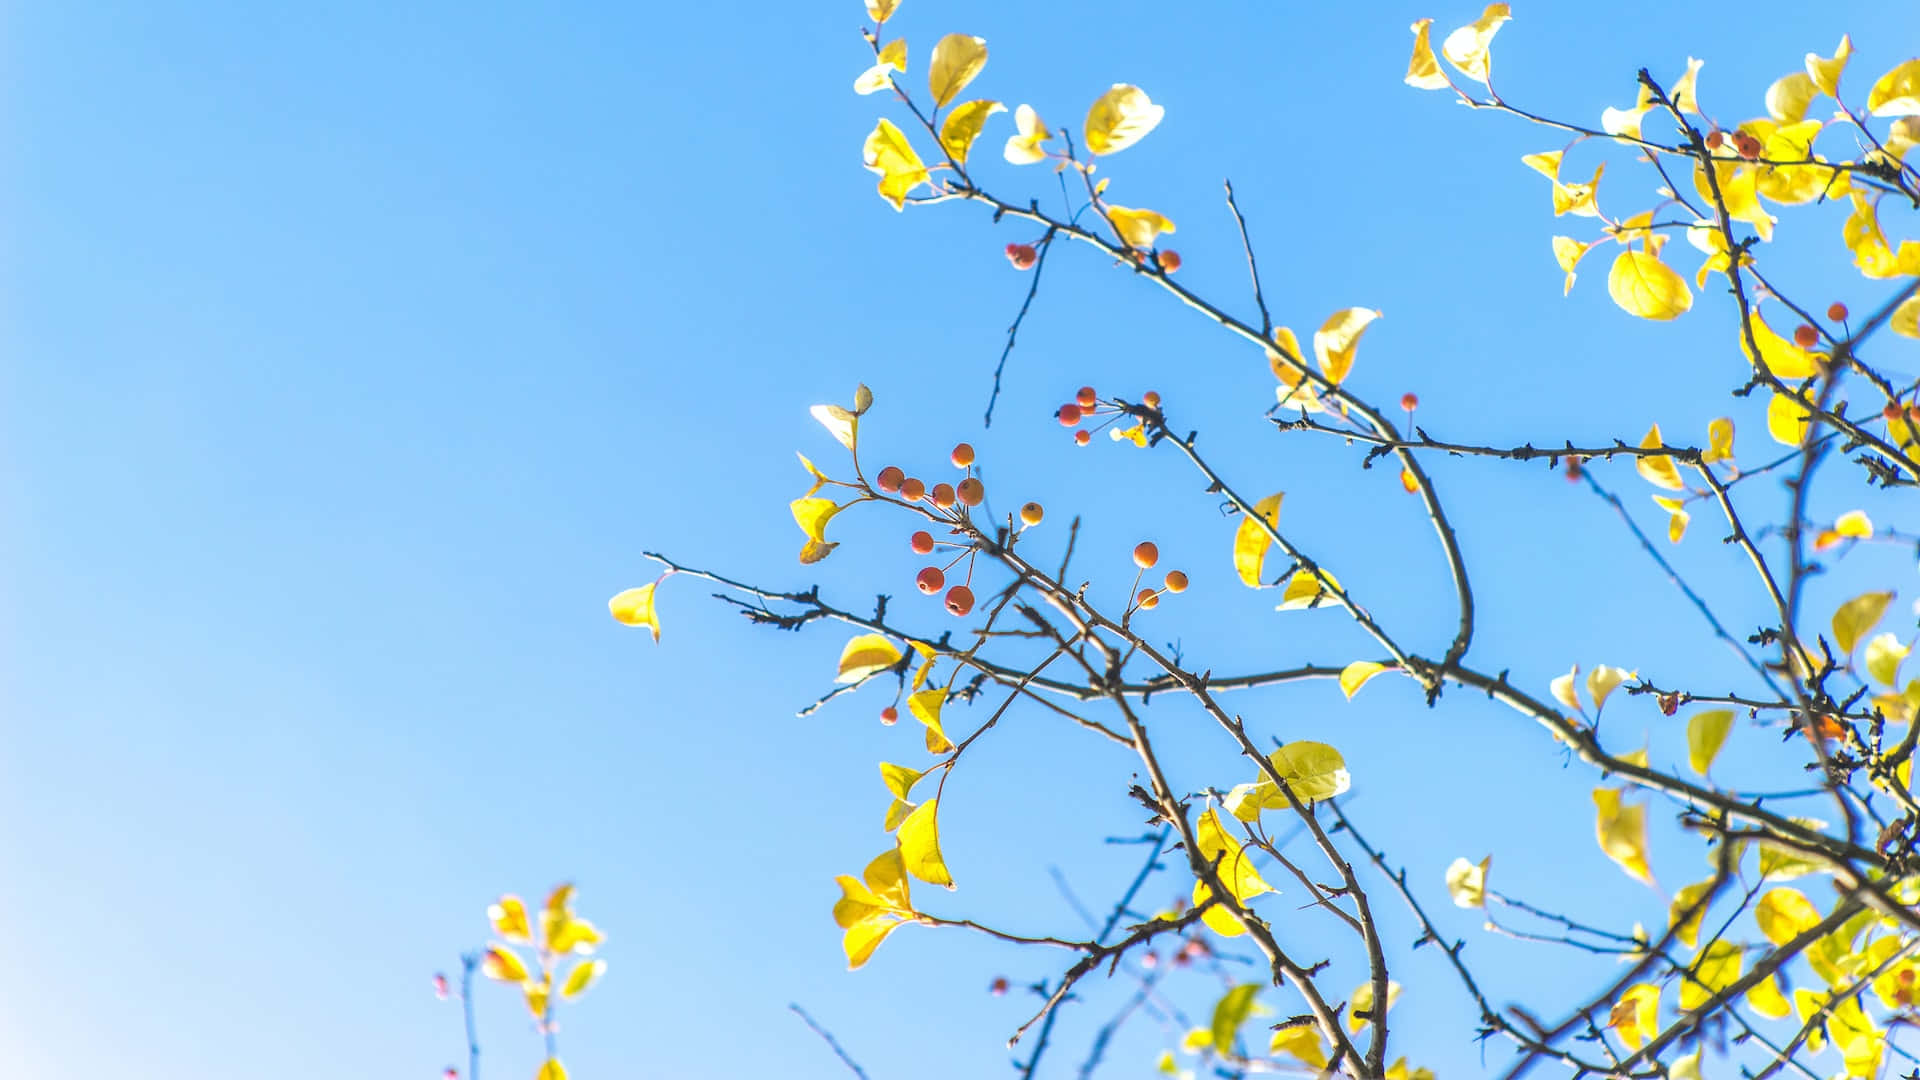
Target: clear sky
{"points": [[350, 357]]}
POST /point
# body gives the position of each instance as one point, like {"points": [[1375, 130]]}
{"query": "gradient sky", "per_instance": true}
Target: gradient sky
{"points": [[352, 356]]}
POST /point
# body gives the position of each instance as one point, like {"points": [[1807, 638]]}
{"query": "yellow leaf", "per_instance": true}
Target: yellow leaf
{"points": [[1682, 92], [873, 80], [1897, 93], [1355, 675], [1295, 389], [814, 550], [1423, 73], [1302, 1041], [1250, 540], [1687, 910], [1906, 318], [1685, 1068], [574, 935], [1657, 469], [1121, 117], [1362, 1002], [865, 655], [1466, 48], [1229, 859], [582, 976], [1738, 194], [1578, 198], [920, 845], [1024, 147], [1783, 358], [1314, 771], [862, 938], [503, 964], [634, 607], [1789, 96], [1400, 1071], [888, 154], [1546, 163], [1787, 420], [1622, 831], [1716, 968], [842, 424], [925, 707], [1884, 654], [1644, 286], [1636, 1016], [509, 919], [1784, 863], [812, 516], [1706, 732], [1857, 616], [1467, 882], [1783, 914], [1602, 681], [1562, 688], [1568, 252], [1230, 1012], [894, 54], [957, 58], [552, 1070], [1825, 72], [886, 878], [1808, 1003], [899, 779], [1677, 517], [1719, 441], [1217, 918], [1137, 228], [820, 479], [536, 996], [963, 125], [1854, 525], [1764, 997], [1334, 343], [1795, 184], [1861, 233], [881, 10], [897, 812], [1308, 590]]}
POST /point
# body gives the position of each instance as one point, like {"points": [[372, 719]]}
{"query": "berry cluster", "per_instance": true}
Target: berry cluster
{"points": [[1086, 404], [1146, 554], [967, 494], [1744, 144], [1807, 335]]}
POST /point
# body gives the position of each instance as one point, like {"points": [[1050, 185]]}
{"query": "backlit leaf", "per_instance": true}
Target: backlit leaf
{"points": [[1235, 868], [1563, 688], [509, 919], [1784, 913], [552, 1070], [866, 655], [1308, 590], [1677, 517], [634, 607], [1119, 118], [1334, 343], [1825, 71], [1622, 831], [1230, 1012], [888, 154], [1636, 1016], [1765, 998], [842, 424], [1023, 147], [1423, 73], [1716, 968], [1314, 771], [925, 707], [1687, 910], [583, 975], [1897, 93], [1783, 358], [963, 125], [1567, 252], [957, 58], [1719, 441], [1602, 681], [920, 845], [1302, 1041], [1789, 96], [1466, 48], [1644, 286], [1706, 733], [812, 515], [1362, 1002], [882, 10], [899, 779], [1137, 228], [1787, 420], [1250, 539], [1355, 675], [1857, 616], [1467, 882], [1683, 92], [503, 964], [1883, 657]]}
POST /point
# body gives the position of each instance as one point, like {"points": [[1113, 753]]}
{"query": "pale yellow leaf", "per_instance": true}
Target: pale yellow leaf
{"points": [[1622, 832], [1313, 771], [925, 707], [1334, 343], [1657, 469], [920, 845], [842, 424], [1466, 48], [583, 975], [1716, 968], [1687, 910], [1644, 286], [1251, 540], [957, 58], [864, 656], [1602, 681], [1467, 882], [1308, 590], [1302, 1041], [881, 10], [1764, 997], [1423, 73], [899, 779], [1897, 93], [888, 154], [1787, 420], [1784, 913], [1719, 441], [1119, 118], [1677, 517], [1883, 657], [1683, 93], [1023, 148], [1578, 198], [1362, 1002], [1706, 733], [1229, 859], [1906, 318], [1825, 71], [1137, 228], [1568, 252], [1789, 96], [1563, 688]]}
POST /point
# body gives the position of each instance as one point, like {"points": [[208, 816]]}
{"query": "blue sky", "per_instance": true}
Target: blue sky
{"points": [[351, 359]]}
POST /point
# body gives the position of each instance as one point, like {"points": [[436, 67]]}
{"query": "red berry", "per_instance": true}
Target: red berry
{"points": [[1837, 311], [1716, 140], [962, 455], [1805, 336], [913, 489], [930, 579], [1170, 261], [1181, 959], [1069, 414], [1082, 438], [959, 600], [998, 987], [1022, 256], [1151, 399], [1891, 413], [890, 479], [1086, 398], [971, 491], [1409, 401], [450, 1073], [440, 987], [922, 542], [943, 496], [1746, 145], [1145, 554], [889, 716]]}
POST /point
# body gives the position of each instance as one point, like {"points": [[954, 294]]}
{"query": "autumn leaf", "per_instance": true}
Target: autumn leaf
{"points": [[1023, 148], [870, 909], [1301, 1042], [1897, 93], [1622, 831], [1119, 118], [1137, 228], [882, 10], [1567, 253], [552, 1070], [1782, 357], [1719, 441], [843, 424], [1357, 674], [1824, 72], [812, 515], [1466, 48], [888, 154], [1716, 968], [866, 655], [1235, 869], [503, 964], [1883, 657], [1657, 469], [1644, 286], [1307, 589], [920, 845], [1683, 92], [634, 607], [891, 58], [1788, 420], [584, 974], [1423, 73], [1706, 732], [1360, 1011], [509, 919], [1636, 1015], [1251, 540], [1783, 914], [1230, 1012], [1689, 907], [1467, 882], [1337, 339], [957, 58], [925, 707], [1789, 96], [963, 126], [1764, 997], [1853, 619]]}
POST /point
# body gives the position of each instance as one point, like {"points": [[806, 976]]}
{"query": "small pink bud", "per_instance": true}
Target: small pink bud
{"points": [[440, 987]]}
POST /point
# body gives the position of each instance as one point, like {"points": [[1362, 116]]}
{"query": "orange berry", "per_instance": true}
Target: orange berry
{"points": [[1022, 256], [1086, 398], [1176, 581], [1147, 598], [943, 496], [912, 489], [1805, 336], [1745, 145], [1891, 413], [962, 455], [1409, 401], [1145, 554], [1151, 399], [1082, 438], [1837, 311], [1031, 513], [922, 542], [1069, 414], [930, 580], [1913, 413], [959, 600], [890, 479], [889, 716], [971, 491], [1716, 140], [1170, 261]]}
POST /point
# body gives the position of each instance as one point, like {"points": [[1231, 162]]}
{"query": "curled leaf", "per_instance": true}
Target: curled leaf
{"points": [[1119, 118], [1897, 93], [1357, 674], [1308, 590], [634, 607], [1023, 148], [864, 656], [1138, 228], [1466, 48], [963, 126], [1423, 73], [888, 154], [925, 707], [1824, 72], [1467, 882], [1337, 339], [920, 845], [1251, 540]]}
